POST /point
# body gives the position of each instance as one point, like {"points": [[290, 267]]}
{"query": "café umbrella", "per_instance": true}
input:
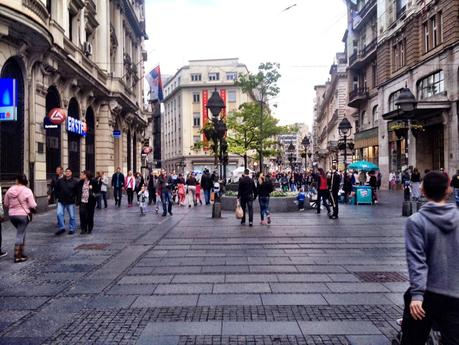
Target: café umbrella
{"points": [[363, 165]]}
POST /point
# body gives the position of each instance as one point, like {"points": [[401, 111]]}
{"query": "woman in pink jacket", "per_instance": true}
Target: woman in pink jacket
{"points": [[20, 203]]}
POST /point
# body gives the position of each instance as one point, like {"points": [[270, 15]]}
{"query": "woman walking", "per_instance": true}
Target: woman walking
{"points": [[139, 182], [323, 192], [264, 189], [21, 204], [416, 184], [191, 183], [130, 186], [87, 191], [181, 191]]}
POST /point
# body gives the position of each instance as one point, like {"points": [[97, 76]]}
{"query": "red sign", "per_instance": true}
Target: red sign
{"points": [[223, 96], [205, 113], [57, 115]]}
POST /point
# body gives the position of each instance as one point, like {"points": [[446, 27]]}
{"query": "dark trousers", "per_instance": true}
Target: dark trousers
{"points": [[441, 310], [118, 194], [151, 196], [301, 204], [323, 195], [166, 199], [130, 195], [87, 216], [0, 237], [207, 196], [247, 203], [334, 202]]}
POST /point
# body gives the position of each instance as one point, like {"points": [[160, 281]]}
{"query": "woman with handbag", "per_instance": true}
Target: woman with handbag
{"points": [[87, 191], [21, 204], [130, 187]]}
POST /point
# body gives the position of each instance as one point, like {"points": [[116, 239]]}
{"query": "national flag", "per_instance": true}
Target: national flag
{"points": [[156, 84]]}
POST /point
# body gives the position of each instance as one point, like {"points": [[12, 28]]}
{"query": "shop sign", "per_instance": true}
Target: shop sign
{"points": [[116, 134], [57, 115], [48, 124], [76, 126], [8, 99]]}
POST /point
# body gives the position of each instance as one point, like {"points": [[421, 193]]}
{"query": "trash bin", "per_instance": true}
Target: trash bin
{"points": [[363, 195]]}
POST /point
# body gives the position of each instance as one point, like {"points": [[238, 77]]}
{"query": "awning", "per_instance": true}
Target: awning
{"points": [[366, 138], [423, 109]]}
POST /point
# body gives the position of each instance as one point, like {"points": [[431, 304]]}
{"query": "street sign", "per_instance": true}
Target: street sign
{"points": [[116, 134], [48, 124], [76, 126], [8, 99], [57, 115]]}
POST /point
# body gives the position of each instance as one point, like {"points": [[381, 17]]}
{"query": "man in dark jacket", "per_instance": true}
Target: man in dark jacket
{"points": [[66, 192], [334, 184], [152, 189], [52, 198], [432, 244], [246, 195], [165, 185], [118, 185], [206, 184]]}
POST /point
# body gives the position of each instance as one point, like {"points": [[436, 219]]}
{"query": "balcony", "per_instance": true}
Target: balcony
{"points": [[357, 97], [364, 14], [360, 58]]}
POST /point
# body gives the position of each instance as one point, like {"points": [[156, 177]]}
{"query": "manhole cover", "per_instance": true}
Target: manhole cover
{"points": [[92, 246], [381, 277]]}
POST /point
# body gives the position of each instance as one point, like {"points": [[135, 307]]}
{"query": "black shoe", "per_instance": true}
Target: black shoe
{"points": [[250, 224], [164, 214], [83, 232], [59, 232], [71, 232], [242, 223], [171, 213]]}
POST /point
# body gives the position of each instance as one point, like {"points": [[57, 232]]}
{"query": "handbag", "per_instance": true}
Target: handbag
{"points": [[29, 214], [239, 211]]}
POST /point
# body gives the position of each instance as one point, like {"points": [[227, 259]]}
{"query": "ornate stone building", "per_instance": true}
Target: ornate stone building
{"points": [[86, 58]]}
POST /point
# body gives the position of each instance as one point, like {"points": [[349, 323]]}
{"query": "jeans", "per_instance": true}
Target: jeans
{"points": [[87, 216], [166, 199], [441, 310], [247, 203], [207, 196], [20, 223], [61, 215], [264, 206], [192, 192], [102, 196], [118, 194], [456, 196], [300, 204]]}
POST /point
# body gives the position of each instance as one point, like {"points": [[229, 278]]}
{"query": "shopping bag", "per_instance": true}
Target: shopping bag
{"points": [[239, 212], [212, 196]]}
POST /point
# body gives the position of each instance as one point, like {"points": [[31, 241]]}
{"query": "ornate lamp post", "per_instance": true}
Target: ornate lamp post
{"points": [[306, 142], [344, 129], [217, 134]]}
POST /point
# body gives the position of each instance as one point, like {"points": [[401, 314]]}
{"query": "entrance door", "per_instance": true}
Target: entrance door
{"points": [[438, 146], [74, 139]]}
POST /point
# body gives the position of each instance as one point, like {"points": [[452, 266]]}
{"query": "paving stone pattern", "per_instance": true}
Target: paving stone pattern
{"points": [[191, 279]]}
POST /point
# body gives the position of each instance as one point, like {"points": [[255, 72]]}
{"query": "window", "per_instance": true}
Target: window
{"points": [[401, 7], [426, 38], [196, 77], [196, 119], [231, 96], [440, 20], [398, 55], [196, 139], [375, 116], [392, 98], [363, 119], [214, 76], [231, 75], [196, 97], [433, 23], [431, 85]]}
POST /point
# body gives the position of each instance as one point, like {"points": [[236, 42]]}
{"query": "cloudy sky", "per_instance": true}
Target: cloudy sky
{"points": [[303, 39]]}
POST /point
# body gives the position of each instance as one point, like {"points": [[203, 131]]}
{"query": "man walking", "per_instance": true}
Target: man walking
{"points": [[103, 188], [66, 192], [52, 187], [206, 184], [165, 185], [246, 195], [432, 244], [118, 185], [335, 182]]}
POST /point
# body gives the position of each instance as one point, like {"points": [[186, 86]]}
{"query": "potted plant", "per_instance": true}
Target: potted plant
{"points": [[416, 128]]}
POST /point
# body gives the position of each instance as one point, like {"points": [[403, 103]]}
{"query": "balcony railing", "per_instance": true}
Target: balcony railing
{"points": [[360, 56], [369, 47], [357, 95], [366, 8], [353, 57]]}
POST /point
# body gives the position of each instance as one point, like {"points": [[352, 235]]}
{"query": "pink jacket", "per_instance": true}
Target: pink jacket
{"points": [[17, 196]]}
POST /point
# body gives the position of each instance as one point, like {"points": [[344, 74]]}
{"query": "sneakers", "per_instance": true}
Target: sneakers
{"points": [[3, 254], [269, 219], [59, 232]]}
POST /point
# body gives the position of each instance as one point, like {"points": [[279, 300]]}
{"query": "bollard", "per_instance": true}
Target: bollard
{"points": [[407, 209], [217, 209]]}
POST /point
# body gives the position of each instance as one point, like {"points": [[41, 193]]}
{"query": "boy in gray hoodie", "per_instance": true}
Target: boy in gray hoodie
{"points": [[432, 249]]}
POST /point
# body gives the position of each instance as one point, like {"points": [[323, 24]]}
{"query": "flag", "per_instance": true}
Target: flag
{"points": [[156, 85]]}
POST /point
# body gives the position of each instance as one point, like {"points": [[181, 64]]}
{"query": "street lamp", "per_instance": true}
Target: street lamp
{"points": [[291, 151], [344, 129], [305, 142], [217, 134]]}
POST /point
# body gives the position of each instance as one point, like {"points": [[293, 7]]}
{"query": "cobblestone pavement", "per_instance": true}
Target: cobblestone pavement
{"points": [[190, 279]]}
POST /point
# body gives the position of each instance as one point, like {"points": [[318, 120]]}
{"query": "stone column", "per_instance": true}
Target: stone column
{"points": [[102, 46], [383, 134], [104, 142]]}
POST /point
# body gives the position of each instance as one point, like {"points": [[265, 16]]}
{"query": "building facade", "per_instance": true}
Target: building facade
{"points": [[330, 107], [85, 58], [185, 113]]}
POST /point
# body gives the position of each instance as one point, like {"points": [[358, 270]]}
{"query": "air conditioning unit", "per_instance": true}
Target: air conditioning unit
{"points": [[87, 48]]}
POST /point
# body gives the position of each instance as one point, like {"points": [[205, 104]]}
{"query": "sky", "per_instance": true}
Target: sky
{"points": [[303, 39]]}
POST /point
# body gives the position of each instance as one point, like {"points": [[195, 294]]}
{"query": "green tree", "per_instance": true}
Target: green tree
{"points": [[262, 86], [245, 132]]}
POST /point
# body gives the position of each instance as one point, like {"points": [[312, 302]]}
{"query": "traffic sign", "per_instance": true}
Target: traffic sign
{"points": [[57, 115]]}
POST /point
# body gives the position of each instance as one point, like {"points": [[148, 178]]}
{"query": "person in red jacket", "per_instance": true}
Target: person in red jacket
{"points": [[323, 191]]}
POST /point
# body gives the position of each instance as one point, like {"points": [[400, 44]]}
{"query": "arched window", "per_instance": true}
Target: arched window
{"points": [[392, 98], [363, 120], [375, 116], [74, 139], [12, 132], [53, 135], [90, 141]]}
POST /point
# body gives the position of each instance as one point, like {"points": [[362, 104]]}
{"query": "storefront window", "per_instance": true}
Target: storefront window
{"points": [[431, 85]]}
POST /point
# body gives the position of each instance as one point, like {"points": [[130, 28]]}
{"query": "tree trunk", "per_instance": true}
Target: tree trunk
{"points": [[245, 161]]}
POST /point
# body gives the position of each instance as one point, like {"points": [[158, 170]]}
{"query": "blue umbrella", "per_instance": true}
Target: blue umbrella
{"points": [[363, 165]]}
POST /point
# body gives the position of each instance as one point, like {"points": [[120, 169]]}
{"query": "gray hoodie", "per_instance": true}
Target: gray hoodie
{"points": [[432, 250]]}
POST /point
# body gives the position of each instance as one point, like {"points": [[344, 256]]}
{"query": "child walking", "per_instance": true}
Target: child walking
{"points": [[301, 197], [143, 199], [198, 193]]}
